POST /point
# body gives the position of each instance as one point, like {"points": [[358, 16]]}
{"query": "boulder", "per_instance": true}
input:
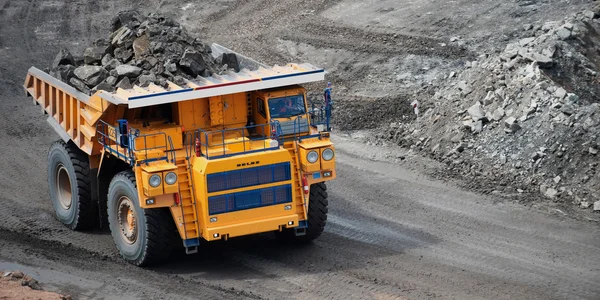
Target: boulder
{"points": [[476, 112], [511, 125], [125, 84], [498, 114], [542, 60], [64, 57], [91, 75], [93, 55], [63, 72], [192, 63], [123, 55], [563, 33], [145, 80], [128, 71], [230, 59], [141, 46], [78, 84]]}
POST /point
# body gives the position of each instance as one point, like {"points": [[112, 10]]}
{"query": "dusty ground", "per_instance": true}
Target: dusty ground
{"points": [[393, 232]]}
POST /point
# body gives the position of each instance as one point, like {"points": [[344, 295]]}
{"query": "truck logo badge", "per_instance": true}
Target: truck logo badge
{"points": [[248, 163]]}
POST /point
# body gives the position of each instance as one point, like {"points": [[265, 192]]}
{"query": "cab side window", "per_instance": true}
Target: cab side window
{"points": [[261, 107]]}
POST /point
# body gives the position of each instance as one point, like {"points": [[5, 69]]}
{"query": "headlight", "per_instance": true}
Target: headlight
{"points": [[328, 154], [154, 180], [171, 178], [312, 157]]}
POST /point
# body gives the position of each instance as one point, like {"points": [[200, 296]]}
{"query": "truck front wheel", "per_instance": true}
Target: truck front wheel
{"points": [[70, 186], [142, 236], [317, 216]]}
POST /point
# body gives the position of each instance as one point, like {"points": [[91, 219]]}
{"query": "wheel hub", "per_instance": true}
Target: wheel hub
{"points": [[63, 187], [127, 220]]}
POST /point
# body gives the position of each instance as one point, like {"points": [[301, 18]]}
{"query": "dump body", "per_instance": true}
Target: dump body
{"points": [[234, 154]]}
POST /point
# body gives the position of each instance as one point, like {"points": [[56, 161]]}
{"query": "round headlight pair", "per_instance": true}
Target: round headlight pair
{"points": [[155, 179], [312, 157], [328, 154]]}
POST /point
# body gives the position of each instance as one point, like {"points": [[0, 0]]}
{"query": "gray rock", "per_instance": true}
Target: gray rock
{"points": [[145, 80], [91, 75], [128, 71], [557, 179], [476, 112], [170, 67], [231, 61], [112, 64], [593, 151], [124, 84], [584, 204], [543, 188], [567, 109], [64, 57], [106, 60], [78, 84], [111, 80], [542, 60], [498, 114], [123, 55], [104, 86], [477, 126], [551, 193], [526, 41], [597, 206], [93, 55], [489, 99], [572, 98], [563, 33], [63, 72], [511, 125], [589, 14], [192, 63], [120, 35], [560, 93]]}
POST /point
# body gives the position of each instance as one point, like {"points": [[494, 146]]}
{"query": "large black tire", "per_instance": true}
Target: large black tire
{"points": [[317, 216], [70, 186], [149, 240]]}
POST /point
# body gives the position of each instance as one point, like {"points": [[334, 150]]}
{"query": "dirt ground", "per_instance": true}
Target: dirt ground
{"points": [[393, 233]]}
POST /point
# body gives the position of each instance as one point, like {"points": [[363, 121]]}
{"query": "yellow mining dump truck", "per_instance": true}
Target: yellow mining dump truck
{"points": [[222, 157]]}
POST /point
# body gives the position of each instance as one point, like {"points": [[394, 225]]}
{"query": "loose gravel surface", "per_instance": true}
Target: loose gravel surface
{"points": [[392, 233]]}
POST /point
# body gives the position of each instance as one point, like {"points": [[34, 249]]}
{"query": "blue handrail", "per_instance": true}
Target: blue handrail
{"points": [[112, 140]]}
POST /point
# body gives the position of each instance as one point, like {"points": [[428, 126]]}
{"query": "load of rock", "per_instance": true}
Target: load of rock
{"points": [[139, 51], [521, 121]]}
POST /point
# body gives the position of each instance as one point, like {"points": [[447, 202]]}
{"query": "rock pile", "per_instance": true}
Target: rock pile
{"points": [[25, 280], [523, 120], [140, 51]]}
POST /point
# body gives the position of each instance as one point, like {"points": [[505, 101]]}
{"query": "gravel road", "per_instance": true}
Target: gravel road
{"points": [[393, 233]]}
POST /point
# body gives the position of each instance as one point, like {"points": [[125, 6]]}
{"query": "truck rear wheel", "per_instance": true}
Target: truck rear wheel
{"points": [[70, 186], [317, 216], [142, 236]]}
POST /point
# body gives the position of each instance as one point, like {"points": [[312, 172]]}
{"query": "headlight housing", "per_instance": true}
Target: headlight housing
{"points": [[171, 178], [312, 157], [328, 154], [154, 180]]}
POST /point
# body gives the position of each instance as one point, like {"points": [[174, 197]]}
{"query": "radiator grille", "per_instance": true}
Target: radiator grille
{"points": [[248, 177], [249, 199]]}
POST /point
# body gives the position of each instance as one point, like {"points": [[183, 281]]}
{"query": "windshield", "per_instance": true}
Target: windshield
{"points": [[287, 107]]}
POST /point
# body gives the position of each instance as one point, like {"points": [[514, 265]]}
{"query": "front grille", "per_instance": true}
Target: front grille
{"points": [[248, 177], [249, 199], [298, 126]]}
